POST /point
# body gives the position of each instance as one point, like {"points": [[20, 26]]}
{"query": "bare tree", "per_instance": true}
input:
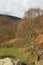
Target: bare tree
{"points": [[32, 13]]}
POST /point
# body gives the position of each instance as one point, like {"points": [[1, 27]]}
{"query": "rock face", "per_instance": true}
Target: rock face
{"points": [[10, 61]]}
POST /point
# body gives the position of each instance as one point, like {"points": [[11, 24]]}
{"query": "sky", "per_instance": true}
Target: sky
{"points": [[18, 7]]}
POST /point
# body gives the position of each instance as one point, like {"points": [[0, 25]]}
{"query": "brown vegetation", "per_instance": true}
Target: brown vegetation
{"points": [[24, 30]]}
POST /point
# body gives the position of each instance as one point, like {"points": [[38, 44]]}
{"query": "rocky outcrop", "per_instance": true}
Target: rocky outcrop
{"points": [[10, 61]]}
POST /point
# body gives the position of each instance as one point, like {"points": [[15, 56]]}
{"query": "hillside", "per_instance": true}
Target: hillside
{"points": [[25, 31], [8, 27], [22, 38]]}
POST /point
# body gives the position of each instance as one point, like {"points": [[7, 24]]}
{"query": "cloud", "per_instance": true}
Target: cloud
{"points": [[18, 7]]}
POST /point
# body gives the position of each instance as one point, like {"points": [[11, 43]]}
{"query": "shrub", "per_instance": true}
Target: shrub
{"points": [[9, 45]]}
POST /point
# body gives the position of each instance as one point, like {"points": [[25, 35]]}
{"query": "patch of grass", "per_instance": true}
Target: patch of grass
{"points": [[9, 51], [14, 52]]}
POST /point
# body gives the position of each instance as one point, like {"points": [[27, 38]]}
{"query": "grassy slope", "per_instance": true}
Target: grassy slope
{"points": [[14, 52]]}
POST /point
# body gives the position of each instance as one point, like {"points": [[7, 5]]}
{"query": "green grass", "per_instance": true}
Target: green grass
{"points": [[14, 52]]}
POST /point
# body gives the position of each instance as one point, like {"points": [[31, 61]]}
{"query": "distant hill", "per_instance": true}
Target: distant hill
{"points": [[10, 17]]}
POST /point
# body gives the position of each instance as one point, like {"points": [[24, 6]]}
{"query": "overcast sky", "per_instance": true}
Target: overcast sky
{"points": [[18, 7]]}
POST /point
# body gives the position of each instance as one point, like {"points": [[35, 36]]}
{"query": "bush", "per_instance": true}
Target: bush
{"points": [[32, 63], [9, 45]]}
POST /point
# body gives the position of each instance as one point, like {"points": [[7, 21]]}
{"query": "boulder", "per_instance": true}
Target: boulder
{"points": [[9, 61]]}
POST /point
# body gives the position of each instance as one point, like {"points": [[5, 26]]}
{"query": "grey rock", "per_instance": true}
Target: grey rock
{"points": [[9, 61]]}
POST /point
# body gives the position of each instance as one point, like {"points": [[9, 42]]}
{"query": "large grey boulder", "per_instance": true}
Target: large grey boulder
{"points": [[9, 61]]}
